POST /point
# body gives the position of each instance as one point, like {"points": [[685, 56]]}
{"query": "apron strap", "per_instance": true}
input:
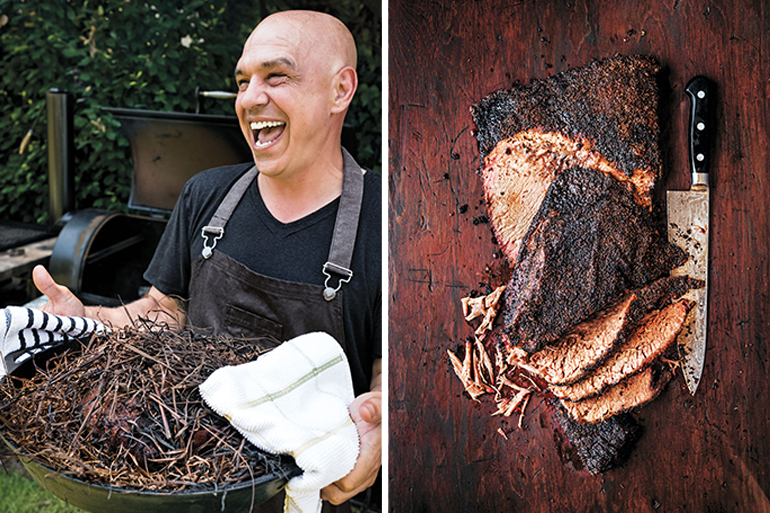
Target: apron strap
{"points": [[216, 226], [345, 225]]}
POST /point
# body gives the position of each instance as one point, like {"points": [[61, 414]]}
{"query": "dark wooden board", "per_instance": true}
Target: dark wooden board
{"points": [[707, 453]]}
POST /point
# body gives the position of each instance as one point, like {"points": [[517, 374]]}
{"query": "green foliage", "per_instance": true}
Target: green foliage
{"points": [[20, 494], [138, 54]]}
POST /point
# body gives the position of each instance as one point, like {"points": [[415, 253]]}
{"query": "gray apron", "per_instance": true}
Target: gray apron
{"points": [[233, 300]]}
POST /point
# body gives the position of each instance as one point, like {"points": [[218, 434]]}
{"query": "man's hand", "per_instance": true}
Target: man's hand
{"points": [[61, 300], [155, 306], [366, 412]]}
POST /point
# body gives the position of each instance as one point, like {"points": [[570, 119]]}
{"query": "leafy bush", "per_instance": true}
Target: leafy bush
{"points": [[138, 54]]}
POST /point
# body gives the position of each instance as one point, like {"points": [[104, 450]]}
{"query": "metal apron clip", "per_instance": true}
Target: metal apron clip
{"points": [[209, 250], [329, 292]]}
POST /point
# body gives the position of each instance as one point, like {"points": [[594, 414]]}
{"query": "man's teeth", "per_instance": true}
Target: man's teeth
{"points": [[259, 125]]}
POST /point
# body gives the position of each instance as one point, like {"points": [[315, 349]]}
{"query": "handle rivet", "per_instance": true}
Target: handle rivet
{"points": [[701, 126], [699, 157], [701, 94]]}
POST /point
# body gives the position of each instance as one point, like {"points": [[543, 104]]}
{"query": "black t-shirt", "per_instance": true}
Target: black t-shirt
{"points": [[293, 251]]}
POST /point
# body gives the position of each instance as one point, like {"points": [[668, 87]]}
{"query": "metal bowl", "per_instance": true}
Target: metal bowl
{"points": [[98, 498]]}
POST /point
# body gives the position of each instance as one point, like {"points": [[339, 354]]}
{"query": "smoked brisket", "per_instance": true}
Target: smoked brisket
{"points": [[568, 165], [612, 103], [601, 116], [589, 243], [518, 172], [632, 392], [587, 345], [656, 333], [600, 446]]}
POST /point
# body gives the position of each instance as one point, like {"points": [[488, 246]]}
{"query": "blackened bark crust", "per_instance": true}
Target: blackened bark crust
{"points": [[589, 243]]}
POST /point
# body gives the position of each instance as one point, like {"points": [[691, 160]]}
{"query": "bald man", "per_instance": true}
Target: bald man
{"points": [[288, 244]]}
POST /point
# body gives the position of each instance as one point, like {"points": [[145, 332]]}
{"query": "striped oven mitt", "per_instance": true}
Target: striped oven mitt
{"points": [[29, 331], [294, 400]]}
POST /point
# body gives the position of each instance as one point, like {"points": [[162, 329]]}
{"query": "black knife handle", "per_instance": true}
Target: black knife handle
{"points": [[700, 129]]}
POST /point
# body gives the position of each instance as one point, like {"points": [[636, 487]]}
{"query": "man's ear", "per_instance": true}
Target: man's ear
{"points": [[345, 85]]}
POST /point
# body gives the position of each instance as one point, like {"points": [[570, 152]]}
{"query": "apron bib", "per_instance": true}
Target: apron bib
{"points": [[233, 300]]}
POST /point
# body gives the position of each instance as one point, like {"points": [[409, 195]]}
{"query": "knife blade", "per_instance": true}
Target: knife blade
{"points": [[689, 228]]}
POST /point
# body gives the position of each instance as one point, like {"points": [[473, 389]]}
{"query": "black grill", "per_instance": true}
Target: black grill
{"points": [[101, 255]]}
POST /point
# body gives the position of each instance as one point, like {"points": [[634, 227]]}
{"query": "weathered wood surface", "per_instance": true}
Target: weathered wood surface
{"points": [[17, 261], [707, 453]]}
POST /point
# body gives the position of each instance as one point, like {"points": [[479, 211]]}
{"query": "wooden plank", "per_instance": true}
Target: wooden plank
{"points": [[702, 453], [17, 261]]}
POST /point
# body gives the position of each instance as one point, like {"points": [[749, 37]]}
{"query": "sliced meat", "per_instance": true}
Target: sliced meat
{"points": [[634, 391], [582, 348], [518, 171], [600, 446], [587, 345], [600, 116], [612, 103], [588, 244], [656, 333]]}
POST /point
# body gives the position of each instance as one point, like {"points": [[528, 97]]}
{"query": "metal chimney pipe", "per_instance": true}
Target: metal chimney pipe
{"points": [[61, 153]]}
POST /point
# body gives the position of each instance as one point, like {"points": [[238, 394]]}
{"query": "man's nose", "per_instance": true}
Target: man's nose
{"points": [[255, 95]]}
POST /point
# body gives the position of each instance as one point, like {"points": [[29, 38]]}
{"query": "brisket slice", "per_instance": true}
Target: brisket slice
{"points": [[600, 446], [633, 391], [611, 102], [589, 243], [518, 171], [587, 345], [656, 333], [600, 116]]}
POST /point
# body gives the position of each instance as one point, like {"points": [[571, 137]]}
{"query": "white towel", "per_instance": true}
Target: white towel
{"points": [[31, 331], [294, 400]]}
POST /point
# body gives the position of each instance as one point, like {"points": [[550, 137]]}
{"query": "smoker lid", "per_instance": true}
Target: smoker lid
{"points": [[168, 148]]}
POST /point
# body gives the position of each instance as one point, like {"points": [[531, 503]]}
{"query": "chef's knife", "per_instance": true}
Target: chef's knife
{"points": [[689, 227]]}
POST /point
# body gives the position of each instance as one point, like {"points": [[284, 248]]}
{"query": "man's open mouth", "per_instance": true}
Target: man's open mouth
{"points": [[266, 132]]}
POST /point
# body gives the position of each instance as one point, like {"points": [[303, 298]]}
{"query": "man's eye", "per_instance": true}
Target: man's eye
{"points": [[276, 77]]}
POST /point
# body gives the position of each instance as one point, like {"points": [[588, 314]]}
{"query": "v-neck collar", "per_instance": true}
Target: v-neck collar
{"points": [[286, 229]]}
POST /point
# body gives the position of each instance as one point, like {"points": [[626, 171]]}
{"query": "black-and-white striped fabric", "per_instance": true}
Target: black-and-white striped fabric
{"points": [[26, 331]]}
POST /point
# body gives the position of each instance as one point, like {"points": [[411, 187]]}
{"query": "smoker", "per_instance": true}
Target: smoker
{"points": [[101, 255]]}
